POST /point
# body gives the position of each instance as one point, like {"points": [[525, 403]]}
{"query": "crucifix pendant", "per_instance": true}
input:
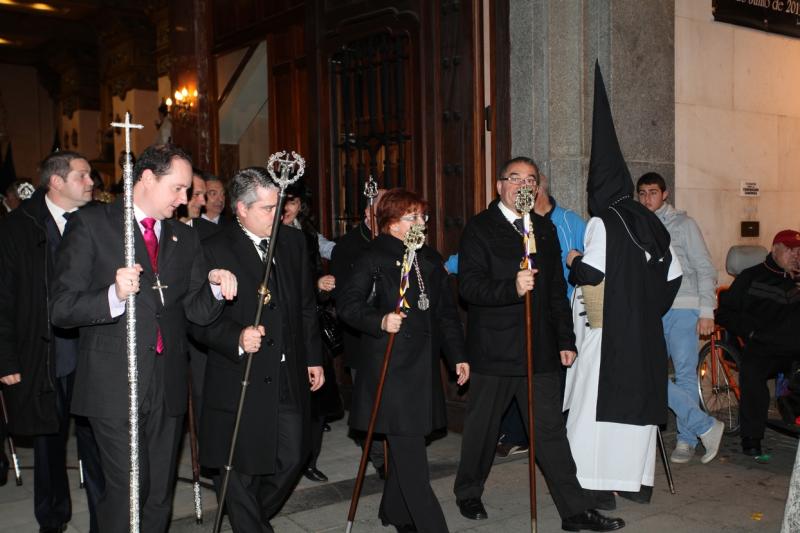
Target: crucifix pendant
{"points": [[160, 288]]}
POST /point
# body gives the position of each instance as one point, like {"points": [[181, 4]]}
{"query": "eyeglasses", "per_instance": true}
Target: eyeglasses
{"points": [[415, 217], [516, 180]]}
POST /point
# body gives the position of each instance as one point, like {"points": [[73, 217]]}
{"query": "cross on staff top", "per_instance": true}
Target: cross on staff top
{"points": [[371, 189], [295, 161], [128, 125]]}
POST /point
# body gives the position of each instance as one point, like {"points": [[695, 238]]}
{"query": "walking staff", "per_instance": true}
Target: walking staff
{"points": [[524, 203], [413, 241], [130, 321], [291, 169], [198, 502], [11, 447], [371, 192]]}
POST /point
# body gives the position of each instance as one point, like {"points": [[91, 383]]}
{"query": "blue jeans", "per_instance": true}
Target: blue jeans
{"points": [[680, 332]]}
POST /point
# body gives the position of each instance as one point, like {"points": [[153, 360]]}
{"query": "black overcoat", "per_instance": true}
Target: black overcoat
{"points": [[345, 254], [413, 399], [488, 262], [26, 337], [291, 327]]}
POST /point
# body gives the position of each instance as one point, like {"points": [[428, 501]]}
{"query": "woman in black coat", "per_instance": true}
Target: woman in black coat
{"points": [[412, 405]]}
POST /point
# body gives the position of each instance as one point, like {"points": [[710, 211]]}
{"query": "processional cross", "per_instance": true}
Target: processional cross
{"points": [[133, 372]]}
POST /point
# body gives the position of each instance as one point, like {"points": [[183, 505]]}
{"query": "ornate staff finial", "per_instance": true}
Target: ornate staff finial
{"points": [[291, 169], [371, 189], [25, 190], [525, 199], [415, 237]]}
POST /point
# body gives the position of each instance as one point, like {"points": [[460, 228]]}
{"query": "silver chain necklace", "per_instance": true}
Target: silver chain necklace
{"points": [[422, 302]]}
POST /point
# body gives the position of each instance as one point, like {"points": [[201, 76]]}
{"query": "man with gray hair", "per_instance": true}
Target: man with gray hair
{"points": [[273, 444], [37, 360]]}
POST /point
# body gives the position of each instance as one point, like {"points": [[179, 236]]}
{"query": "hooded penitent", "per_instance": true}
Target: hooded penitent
{"points": [[633, 371], [610, 185]]}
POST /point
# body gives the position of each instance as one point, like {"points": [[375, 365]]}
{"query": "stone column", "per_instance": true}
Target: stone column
{"points": [[554, 45]]}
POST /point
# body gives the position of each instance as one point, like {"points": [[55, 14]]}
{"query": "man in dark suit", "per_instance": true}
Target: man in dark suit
{"points": [[90, 292], [345, 254], [494, 287], [215, 201], [37, 361], [273, 441]]}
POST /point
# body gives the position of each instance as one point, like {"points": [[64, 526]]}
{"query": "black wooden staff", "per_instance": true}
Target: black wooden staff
{"points": [[664, 460], [371, 192], [286, 166], [198, 502], [413, 241], [11, 447]]}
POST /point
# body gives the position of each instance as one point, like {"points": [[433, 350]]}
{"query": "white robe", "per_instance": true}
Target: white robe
{"points": [[608, 455]]}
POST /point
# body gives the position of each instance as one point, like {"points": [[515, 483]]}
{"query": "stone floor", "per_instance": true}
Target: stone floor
{"points": [[732, 494]]}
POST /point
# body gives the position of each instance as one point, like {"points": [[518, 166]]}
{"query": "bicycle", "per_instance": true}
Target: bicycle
{"points": [[718, 378]]}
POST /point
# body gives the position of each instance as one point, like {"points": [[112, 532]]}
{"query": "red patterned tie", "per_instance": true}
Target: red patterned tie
{"points": [[151, 241]]}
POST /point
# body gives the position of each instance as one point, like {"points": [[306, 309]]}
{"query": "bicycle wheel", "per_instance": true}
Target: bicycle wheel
{"points": [[716, 386]]}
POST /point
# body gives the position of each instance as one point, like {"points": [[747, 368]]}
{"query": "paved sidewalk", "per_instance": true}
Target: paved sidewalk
{"points": [[732, 494]]}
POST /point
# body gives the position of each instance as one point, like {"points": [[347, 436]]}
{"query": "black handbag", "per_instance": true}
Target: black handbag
{"points": [[329, 327]]}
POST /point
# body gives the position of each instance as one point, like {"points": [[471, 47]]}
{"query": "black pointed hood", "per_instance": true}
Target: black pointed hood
{"points": [[610, 186], [609, 177]]}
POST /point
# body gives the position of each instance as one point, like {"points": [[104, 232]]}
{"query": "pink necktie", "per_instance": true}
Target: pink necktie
{"points": [[151, 241]]}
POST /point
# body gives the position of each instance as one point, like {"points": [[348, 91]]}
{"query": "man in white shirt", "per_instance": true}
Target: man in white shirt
{"points": [[37, 360]]}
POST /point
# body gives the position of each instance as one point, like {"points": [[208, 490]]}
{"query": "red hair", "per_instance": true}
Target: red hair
{"points": [[395, 203]]}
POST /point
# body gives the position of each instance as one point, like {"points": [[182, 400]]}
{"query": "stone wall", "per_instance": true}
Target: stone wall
{"points": [[554, 45], [737, 118]]}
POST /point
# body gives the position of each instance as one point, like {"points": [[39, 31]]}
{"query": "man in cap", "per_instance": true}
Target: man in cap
{"points": [[762, 307]]}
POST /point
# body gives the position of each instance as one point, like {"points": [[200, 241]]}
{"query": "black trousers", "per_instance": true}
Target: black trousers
{"points": [[317, 423], [408, 498], [51, 496], [159, 435], [253, 499], [489, 397], [755, 370]]}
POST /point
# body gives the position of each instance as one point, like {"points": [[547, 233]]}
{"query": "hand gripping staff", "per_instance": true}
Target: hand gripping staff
{"points": [[413, 241], [524, 203], [130, 323], [291, 168]]}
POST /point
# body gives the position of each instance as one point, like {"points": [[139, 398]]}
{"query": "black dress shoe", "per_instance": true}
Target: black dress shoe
{"points": [[326, 427], [315, 475], [472, 508], [591, 520], [603, 499], [58, 529], [751, 447], [643, 495]]}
